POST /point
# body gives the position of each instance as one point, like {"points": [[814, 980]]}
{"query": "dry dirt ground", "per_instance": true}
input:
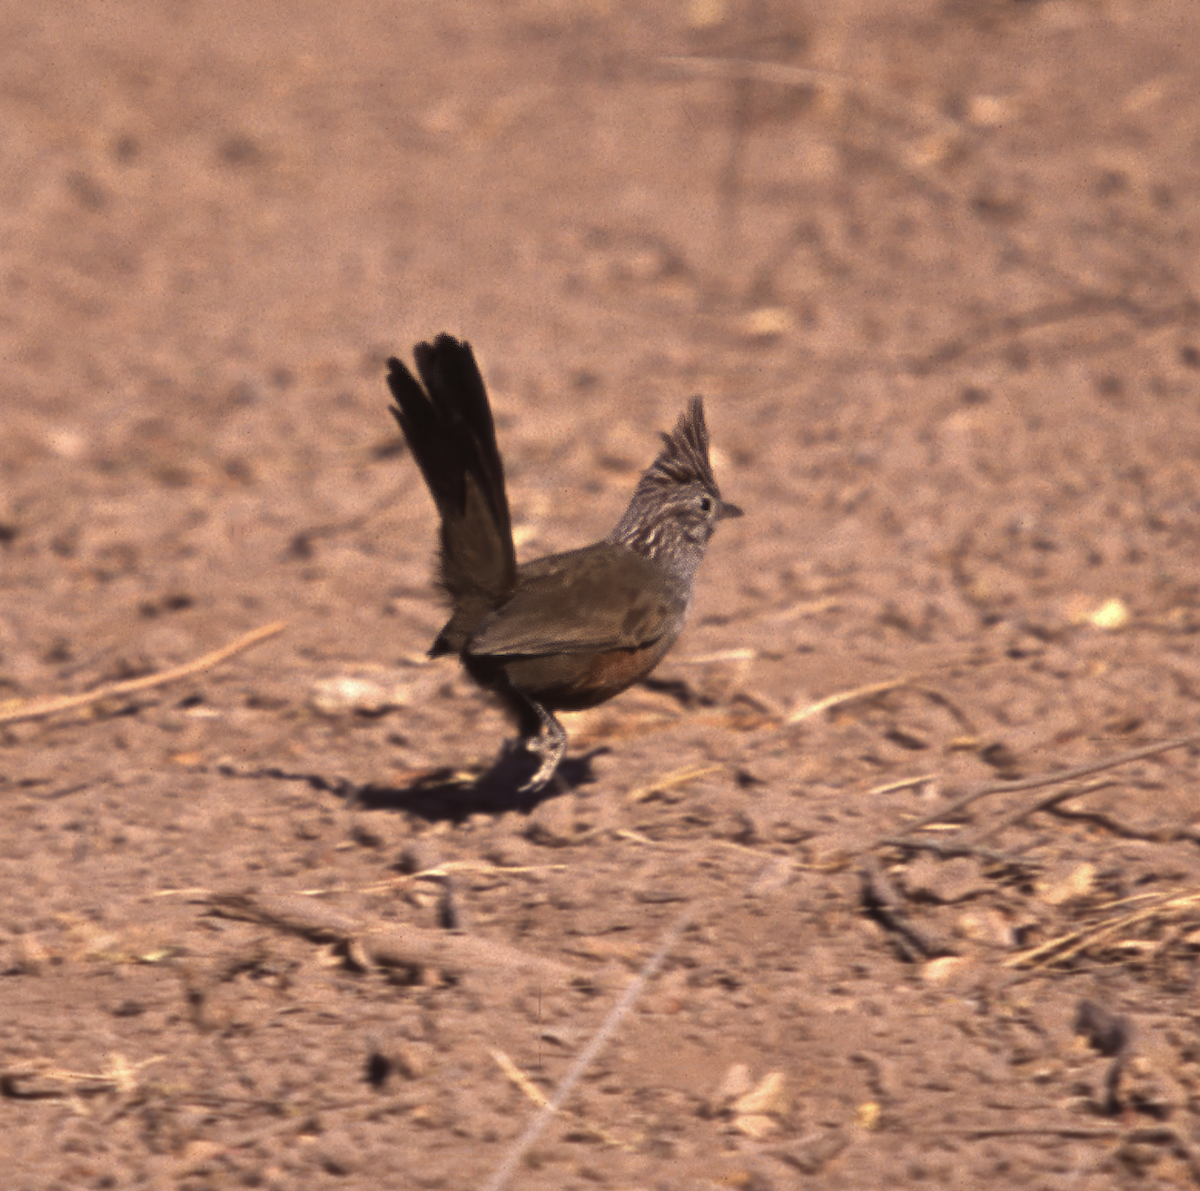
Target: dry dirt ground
{"points": [[933, 265]]}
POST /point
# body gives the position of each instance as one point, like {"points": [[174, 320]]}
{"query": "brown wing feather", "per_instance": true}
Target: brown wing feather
{"points": [[600, 597]]}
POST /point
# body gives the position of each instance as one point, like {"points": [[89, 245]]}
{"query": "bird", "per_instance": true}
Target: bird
{"points": [[570, 630]]}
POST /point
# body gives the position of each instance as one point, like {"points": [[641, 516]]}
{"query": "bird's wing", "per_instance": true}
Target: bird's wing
{"points": [[599, 597]]}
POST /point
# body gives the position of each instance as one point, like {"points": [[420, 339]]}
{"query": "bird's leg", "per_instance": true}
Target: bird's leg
{"points": [[549, 744]]}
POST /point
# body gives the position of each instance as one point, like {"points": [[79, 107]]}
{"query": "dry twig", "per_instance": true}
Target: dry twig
{"points": [[668, 781], [532, 1092], [533, 1130], [881, 899], [863, 692], [40, 1079], [389, 946], [986, 789], [1043, 802], [36, 709], [1163, 908]]}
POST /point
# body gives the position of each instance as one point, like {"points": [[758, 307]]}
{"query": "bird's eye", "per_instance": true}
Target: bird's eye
{"points": [[706, 504]]}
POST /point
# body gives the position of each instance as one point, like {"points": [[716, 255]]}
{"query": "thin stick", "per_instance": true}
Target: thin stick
{"points": [[1067, 946], [904, 783], [1071, 1131], [120, 1076], [534, 1093], [1051, 779], [1043, 803], [389, 947], [862, 692], [519, 1078], [508, 1167], [668, 781], [36, 709]]}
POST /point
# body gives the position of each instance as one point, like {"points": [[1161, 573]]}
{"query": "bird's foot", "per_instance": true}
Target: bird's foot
{"points": [[549, 745]]}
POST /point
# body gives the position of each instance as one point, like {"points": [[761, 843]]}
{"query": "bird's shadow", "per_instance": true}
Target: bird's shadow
{"points": [[446, 795]]}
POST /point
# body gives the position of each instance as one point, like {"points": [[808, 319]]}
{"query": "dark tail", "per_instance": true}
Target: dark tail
{"points": [[449, 429]]}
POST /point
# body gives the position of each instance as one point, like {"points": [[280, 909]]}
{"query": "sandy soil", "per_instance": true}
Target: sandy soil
{"points": [[933, 265]]}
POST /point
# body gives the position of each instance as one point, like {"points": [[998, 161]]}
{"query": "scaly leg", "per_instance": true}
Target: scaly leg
{"points": [[550, 744]]}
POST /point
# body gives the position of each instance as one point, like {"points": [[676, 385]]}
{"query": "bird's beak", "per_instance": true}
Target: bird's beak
{"points": [[726, 509]]}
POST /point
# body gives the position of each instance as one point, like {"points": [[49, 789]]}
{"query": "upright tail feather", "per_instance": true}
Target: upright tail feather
{"points": [[448, 427]]}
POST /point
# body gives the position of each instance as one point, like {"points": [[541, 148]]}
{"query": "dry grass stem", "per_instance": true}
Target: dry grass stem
{"points": [[1165, 908], [669, 781], [809, 710], [36, 709], [904, 783]]}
